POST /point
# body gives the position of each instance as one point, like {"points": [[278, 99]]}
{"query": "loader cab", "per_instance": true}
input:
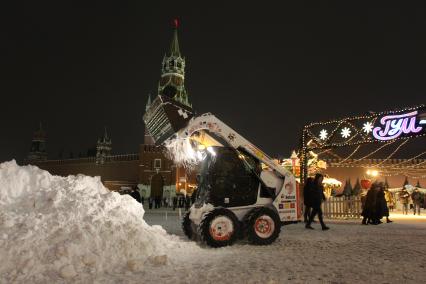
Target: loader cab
{"points": [[228, 178]]}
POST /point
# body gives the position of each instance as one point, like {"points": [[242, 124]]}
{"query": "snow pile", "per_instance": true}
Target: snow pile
{"points": [[54, 228]]}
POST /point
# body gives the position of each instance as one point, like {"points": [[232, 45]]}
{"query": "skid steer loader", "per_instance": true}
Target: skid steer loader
{"points": [[241, 191]]}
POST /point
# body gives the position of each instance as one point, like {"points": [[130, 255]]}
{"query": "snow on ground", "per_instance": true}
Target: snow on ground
{"points": [[72, 230], [348, 253]]}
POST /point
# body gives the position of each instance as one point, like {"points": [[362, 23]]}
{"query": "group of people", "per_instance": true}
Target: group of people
{"points": [[175, 202], [180, 201], [313, 197], [416, 197], [374, 205]]}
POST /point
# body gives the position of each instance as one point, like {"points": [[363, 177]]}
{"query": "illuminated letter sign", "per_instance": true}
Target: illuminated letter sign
{"points": [[393, 126]]}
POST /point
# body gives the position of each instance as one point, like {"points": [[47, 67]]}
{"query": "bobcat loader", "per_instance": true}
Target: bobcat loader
{"points": [[241, 191]]}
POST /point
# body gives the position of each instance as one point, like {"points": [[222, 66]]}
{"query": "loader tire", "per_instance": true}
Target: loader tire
{"points": [[219, 228], [262, 226], [186, 225]]}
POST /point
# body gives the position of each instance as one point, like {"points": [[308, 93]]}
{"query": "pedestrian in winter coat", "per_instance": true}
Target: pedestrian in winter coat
{"points": [[381, 204], [424, 201], [404, 197], [369, 210], [150, 202], [175, 202], [136, 195], [187, 202], [390, 201], [181, 201], [416, 196], [307, 196], [317, 197]]}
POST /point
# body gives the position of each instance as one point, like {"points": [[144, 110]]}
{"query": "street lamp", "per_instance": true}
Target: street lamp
{"points": [[372, 173]]}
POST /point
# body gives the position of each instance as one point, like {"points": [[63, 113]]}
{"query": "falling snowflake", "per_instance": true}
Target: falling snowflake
{"points": [[323, 134], [368, 127], [346, 132]]}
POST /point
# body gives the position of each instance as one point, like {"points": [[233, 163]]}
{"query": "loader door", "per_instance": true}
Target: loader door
{"points": [[233, 183]]}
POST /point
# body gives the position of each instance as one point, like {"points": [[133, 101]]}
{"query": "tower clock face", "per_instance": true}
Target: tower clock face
{"points": [[177, 81], [169, 91]]}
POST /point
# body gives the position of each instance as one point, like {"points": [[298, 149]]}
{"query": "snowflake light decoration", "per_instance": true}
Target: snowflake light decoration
{"points": [[368, 127], [346, 132], [323, 134]]}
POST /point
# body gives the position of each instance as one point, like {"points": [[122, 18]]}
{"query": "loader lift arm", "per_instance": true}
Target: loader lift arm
{"points": [[209, 127]]}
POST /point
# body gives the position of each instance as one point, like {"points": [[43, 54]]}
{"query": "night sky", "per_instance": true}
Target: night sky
{"points": [[266, 70]]}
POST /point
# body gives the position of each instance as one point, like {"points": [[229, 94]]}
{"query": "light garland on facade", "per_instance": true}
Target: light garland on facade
{"points": [[353, 153], [393, 153], [372, 153], [413, 158], [323, 142]]}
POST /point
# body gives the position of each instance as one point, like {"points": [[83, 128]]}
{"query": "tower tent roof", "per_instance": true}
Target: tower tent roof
{"points": [[39, 134], [105, 139], [174, 46], [148, 103]]}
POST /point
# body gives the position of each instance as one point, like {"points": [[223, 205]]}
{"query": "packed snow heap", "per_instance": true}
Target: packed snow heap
{"points": [[54, 228]]}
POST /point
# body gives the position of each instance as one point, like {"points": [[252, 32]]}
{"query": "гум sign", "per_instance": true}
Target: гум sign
{"points": [[362, 129], [394, 126]]}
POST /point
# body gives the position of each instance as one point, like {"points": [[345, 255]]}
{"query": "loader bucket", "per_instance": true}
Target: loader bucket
{"points": [[165, 117]]}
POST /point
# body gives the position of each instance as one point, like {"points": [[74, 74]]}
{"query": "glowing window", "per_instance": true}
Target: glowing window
{"points": [[157, 164]]}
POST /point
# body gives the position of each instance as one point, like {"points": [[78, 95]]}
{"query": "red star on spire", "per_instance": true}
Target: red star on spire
{"points": [[176, 23]]}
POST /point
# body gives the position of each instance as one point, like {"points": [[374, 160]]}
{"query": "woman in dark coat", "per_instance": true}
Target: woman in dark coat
{"points": [[369, 212], [317, 197], [307, 196], [382, 209]]}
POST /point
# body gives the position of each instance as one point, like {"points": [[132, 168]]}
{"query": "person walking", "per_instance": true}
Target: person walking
{"points": [[187, 202], [317, 198], [307, 196], [369, 208], [150, 201], [136, 195], [404, 196], [382, 208], [390, 201], [175, 202], [416, 196], [181, 201], [157, 202], [424, 201]]}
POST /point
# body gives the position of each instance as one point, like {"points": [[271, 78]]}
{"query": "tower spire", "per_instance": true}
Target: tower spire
{"points": [[105, 134], [38, 146], [174, 46], [148, 103]]}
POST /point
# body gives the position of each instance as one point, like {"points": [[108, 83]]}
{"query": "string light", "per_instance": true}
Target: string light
{"points": [[372, 153], [362, 139], [393, 153], [406, 161], [344, 160]]}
